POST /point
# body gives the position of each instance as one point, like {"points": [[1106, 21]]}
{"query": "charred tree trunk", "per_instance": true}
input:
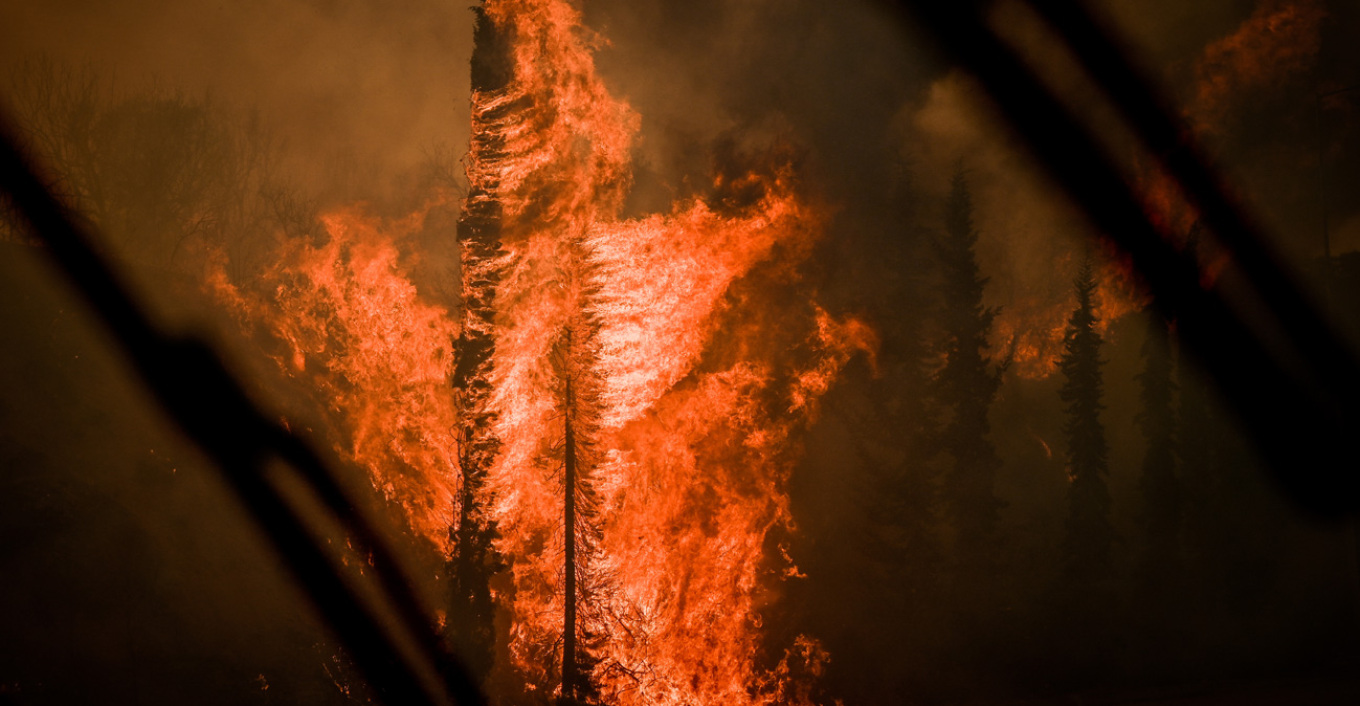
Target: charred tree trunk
{"points": [[473, 560]]}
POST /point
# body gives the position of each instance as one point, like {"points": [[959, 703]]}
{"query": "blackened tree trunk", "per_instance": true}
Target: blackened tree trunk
{"points": [[967, 383], [1089, 535], [473, 560]]}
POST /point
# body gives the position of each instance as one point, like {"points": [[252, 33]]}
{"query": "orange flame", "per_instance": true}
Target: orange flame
{"points": [[354, 326], [1279, 39]]}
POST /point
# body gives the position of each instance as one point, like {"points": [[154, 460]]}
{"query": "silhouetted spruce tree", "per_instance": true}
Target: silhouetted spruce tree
{"points": [[1089, 535], [1159, 486], [900, 493], [966, 385], [473, 560], [896, 585]]}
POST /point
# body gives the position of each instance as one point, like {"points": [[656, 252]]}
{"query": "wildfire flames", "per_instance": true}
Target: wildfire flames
{"points": [[354, 326], [1278, 39], [613, 397], [606, 374]]}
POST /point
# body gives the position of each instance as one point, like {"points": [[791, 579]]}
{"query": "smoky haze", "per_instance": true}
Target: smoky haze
{"points": [[359, 92], [134, 578]]}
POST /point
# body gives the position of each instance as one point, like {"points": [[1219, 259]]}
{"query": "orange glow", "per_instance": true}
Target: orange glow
{"points": [[1278, 39], [1031, 332]]}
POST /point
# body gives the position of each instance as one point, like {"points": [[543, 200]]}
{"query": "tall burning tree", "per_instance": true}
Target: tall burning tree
{"points": [[553, 173], [473, 560], [641, 470]]}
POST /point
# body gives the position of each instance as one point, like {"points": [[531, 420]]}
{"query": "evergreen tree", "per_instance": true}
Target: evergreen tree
{"points": [[1231, 515], [1159, 486], [1089, 534], [473, 560], [966, 385], [888, 429], [1198, 451]]}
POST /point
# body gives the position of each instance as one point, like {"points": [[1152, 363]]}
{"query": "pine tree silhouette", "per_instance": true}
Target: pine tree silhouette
{"points": [[966, 385], [1089, 535]]}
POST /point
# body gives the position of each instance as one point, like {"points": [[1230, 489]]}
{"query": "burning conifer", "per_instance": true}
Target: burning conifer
{"points": [[473, 560]]}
